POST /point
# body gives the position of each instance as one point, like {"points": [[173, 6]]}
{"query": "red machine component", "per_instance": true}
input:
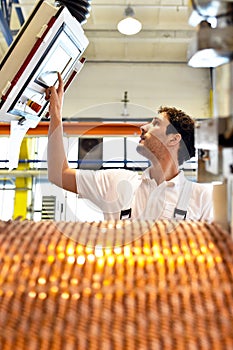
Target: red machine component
{"points": [[34, 106]]}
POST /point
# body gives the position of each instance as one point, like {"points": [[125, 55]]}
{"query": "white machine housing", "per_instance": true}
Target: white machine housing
{"points": [[50, 41]]}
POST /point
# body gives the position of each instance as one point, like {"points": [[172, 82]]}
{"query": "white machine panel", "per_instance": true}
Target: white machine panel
{"points": [[50, 41]]}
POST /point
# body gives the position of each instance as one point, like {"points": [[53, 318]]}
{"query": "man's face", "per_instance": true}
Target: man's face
{"points": [[154, 141]]}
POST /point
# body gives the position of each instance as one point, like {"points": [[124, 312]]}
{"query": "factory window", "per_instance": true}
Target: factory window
{"points": [[39, 160], [113, 152], [7, 186], [93, 153], [135, 161], [72, 151], [4, 142], [7, 195], [119, 152]]}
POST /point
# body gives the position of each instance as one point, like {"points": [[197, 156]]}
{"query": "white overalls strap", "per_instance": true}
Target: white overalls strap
{"points": [[180, 211]]}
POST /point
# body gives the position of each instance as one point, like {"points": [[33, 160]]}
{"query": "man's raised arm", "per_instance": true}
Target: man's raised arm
{"points": [[59, 172]]}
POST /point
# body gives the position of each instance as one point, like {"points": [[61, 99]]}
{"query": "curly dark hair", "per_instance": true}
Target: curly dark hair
{"points": [[182, 124]]}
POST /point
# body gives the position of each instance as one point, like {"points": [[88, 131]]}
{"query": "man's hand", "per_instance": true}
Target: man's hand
{"points": [[55, 97]]}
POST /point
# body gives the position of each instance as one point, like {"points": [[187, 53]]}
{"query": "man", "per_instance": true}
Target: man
{"points": [[161, 192]]}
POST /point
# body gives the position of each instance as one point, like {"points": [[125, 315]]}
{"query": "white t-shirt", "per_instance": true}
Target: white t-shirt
{"points": [[121, 191]]}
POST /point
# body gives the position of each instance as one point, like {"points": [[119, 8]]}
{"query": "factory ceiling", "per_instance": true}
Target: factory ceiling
{"points": [[164, 37]]}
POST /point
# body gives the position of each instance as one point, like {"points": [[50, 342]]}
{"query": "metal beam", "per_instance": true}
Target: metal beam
{"points": [[83, 128], [5, 29], [19, 12], [5, 19]]}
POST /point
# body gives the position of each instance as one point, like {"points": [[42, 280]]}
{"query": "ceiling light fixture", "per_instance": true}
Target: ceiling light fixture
{"points": [[129, 25]]}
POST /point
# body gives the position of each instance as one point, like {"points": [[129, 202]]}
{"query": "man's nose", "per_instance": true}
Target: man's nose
{"points": [[144, 128]]}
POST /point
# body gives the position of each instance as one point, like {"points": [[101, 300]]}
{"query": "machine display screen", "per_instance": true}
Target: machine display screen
{"points": [[58, 61]]}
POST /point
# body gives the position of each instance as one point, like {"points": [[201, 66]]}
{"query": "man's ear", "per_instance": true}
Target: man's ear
{"points": [[174, 139]]}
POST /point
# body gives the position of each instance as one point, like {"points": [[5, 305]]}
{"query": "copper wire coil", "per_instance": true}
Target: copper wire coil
{"points": [[115, 285]]}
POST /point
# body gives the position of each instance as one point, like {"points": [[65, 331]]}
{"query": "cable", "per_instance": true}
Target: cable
{"points": [[80, 9]]}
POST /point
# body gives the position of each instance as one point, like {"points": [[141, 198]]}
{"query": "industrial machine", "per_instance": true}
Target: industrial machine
{"points": [[51, 41], [212, 47]]}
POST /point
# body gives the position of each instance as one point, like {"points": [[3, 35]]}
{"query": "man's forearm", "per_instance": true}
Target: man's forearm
{"points": [[57, 161]]}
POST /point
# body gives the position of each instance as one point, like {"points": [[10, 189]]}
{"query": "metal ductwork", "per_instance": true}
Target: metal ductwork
{"points": [[209, 9], [212, 45], [80, 9]]}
